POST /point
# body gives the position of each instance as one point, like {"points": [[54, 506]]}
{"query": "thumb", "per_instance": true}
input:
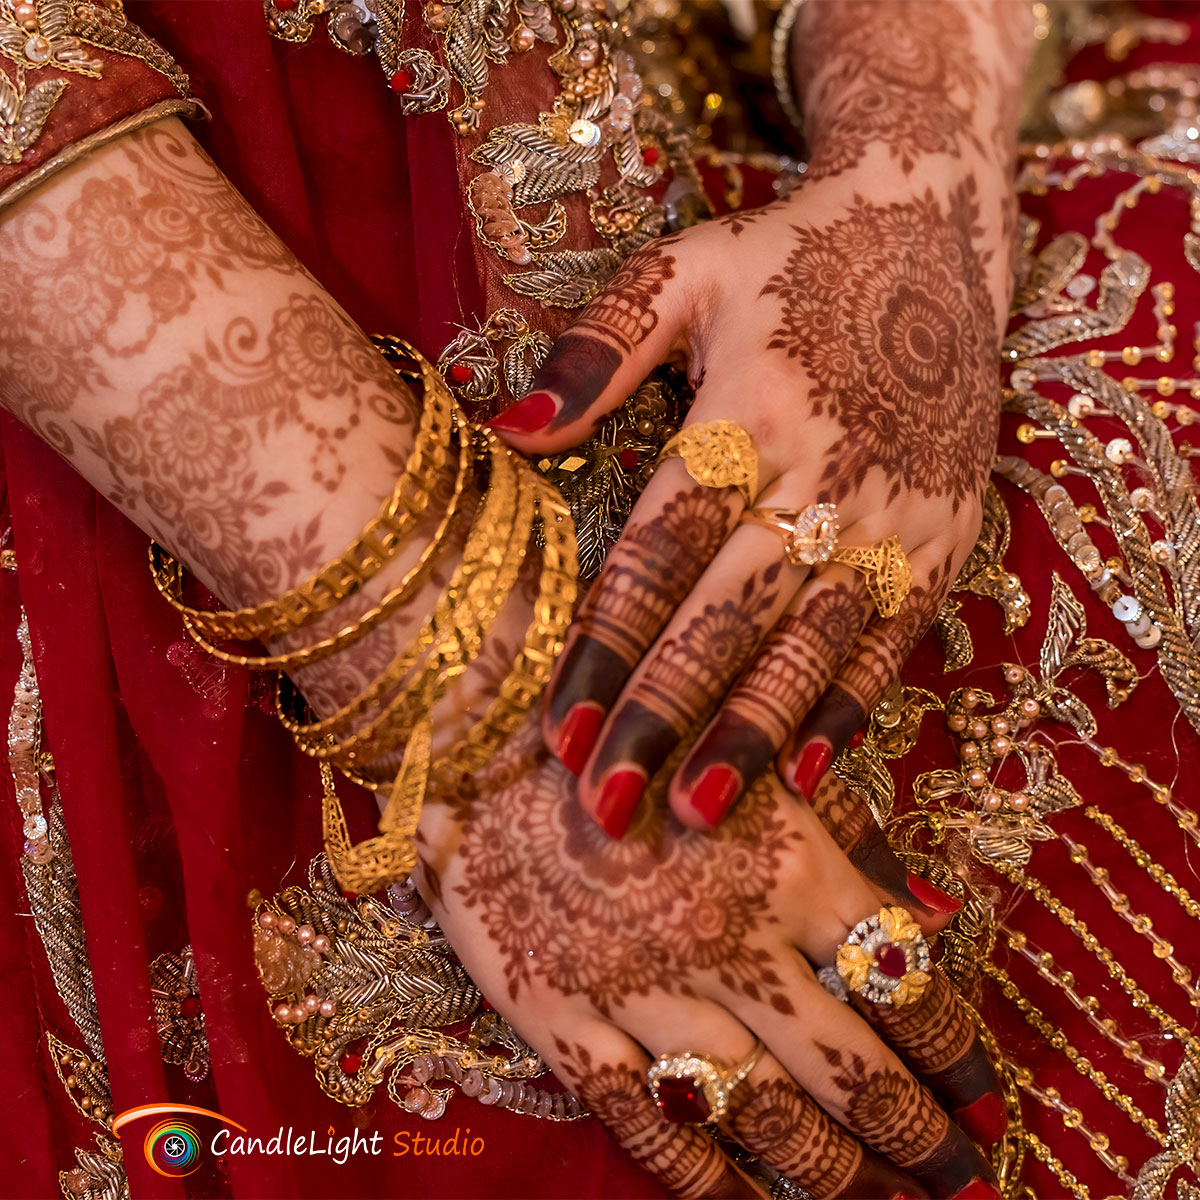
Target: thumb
{"points": [[622, 335]]}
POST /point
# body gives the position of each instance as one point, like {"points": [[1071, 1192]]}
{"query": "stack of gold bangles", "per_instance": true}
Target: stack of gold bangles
{"points": [[517, 509]]}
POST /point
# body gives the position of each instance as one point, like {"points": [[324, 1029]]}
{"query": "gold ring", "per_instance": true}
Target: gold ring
{"points": [[810, 538], [691, 1089], [885, 958], [717, 454]]}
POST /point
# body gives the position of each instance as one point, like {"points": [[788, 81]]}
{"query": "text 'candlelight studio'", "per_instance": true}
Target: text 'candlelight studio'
{"points": [[340, 1150]]}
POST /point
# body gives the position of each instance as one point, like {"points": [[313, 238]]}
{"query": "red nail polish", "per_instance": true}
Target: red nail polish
{"points": [[578, 735], [618, 800], [857, 740], [985, 1121], [811, 766], [977, 1189], [930, 896], [713, 795], [534, 412]]}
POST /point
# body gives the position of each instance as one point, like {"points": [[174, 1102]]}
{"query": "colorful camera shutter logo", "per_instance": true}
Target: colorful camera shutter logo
{"points": [[173, 1148]]}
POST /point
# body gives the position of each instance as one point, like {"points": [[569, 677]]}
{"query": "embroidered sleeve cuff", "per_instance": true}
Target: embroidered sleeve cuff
{"points": [[72, 77]]}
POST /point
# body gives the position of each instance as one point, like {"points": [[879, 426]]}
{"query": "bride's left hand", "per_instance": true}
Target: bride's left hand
{"points": [[855, 340]]}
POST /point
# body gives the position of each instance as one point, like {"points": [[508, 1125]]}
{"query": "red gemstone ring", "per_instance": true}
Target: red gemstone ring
{"points": [[690, 1089], [885, 958]]}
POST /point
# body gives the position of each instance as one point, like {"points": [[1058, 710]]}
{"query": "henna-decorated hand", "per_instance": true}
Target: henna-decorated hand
{"points": [[592, 947], [852, 329], [604, 954]]}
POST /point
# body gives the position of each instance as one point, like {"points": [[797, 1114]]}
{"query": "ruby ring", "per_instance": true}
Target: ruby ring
{"points": [[690, 1089], [885, 959]]}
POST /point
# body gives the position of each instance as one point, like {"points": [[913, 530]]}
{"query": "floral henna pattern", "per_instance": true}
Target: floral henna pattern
{"points": [[682, 1156], [569, 908], [912, 82], [889, 311]]}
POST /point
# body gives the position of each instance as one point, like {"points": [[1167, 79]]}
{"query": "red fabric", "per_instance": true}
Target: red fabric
{"points": [[181, 795]]}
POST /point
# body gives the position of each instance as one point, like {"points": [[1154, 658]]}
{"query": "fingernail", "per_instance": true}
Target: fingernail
{"points": [[813, 763], [619, 796], [713, 795], [534, 412], [578, 735], [857, 740], [977, 1189], [930, 896], [985, 1121]]}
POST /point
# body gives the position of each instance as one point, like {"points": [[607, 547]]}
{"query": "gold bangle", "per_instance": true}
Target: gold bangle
{"points": [[375, 546], [462, 618], [305, 656], [534, 664]]}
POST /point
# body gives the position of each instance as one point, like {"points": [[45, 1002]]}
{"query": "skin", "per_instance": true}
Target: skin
{"points": [[179, 358], [852, 330]]}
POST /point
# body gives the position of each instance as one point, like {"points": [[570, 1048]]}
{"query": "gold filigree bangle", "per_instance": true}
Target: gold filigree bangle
{"points": [[376, 545]]}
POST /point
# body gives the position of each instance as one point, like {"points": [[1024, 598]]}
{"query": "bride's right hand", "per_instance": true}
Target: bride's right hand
{"points": [[605, 954]]}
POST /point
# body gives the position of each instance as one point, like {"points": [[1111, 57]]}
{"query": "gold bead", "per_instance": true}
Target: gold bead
{"points": [[1131, 356], [1026, 434]]}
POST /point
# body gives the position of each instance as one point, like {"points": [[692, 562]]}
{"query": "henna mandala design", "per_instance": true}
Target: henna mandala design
{"points": [[889, 311], [912, 82], [566, 905]]}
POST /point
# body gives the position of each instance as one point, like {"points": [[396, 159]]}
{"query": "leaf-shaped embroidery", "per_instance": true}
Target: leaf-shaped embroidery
{"points": [[110, 31], [465, 46], [1066, 622], [546, 233], [1114, 667], [957, 647], [35, 108], [1058, 261], [567, 279], [388, 16], [1066, 707], [547, 169], [10, 101]]}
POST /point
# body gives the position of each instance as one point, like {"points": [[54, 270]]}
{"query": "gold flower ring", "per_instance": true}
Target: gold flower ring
{"points": [[810, 538], [691, 1089], [885, 959], [717, 454]]}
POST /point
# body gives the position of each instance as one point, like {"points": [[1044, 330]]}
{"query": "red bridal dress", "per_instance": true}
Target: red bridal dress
{"points": [[1039, 756]]}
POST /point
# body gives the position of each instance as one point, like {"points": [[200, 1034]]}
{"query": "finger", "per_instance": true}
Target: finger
{"points": [[849, 820], [777, 1120], [715, 632], [829, 1049], [626, 331], [941, 1044], [608, 1074], [674, 532], [790, 672], [864, 678]]}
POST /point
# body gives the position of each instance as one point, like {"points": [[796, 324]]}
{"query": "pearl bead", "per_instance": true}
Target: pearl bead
{"points": [[267, 919], [524, 38], [957, 723], [968, 751], [1030, 708], [321, 944], [970, 698], [979, 729], [1000, 725], [1018, 801], [976, 777], [1000, 746], [992, 801], [287, 924], [327, 1008], [282, 1011], [311, 1003], [297, 1015], [305, 934]]}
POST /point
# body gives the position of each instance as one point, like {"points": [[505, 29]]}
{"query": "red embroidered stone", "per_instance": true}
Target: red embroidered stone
{"points": [[350, 1062], [891, 961], [460, 373], [628, 459], [683, 1101], [190, 1008], [286, 5], [650, 155], [402, 81]]}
